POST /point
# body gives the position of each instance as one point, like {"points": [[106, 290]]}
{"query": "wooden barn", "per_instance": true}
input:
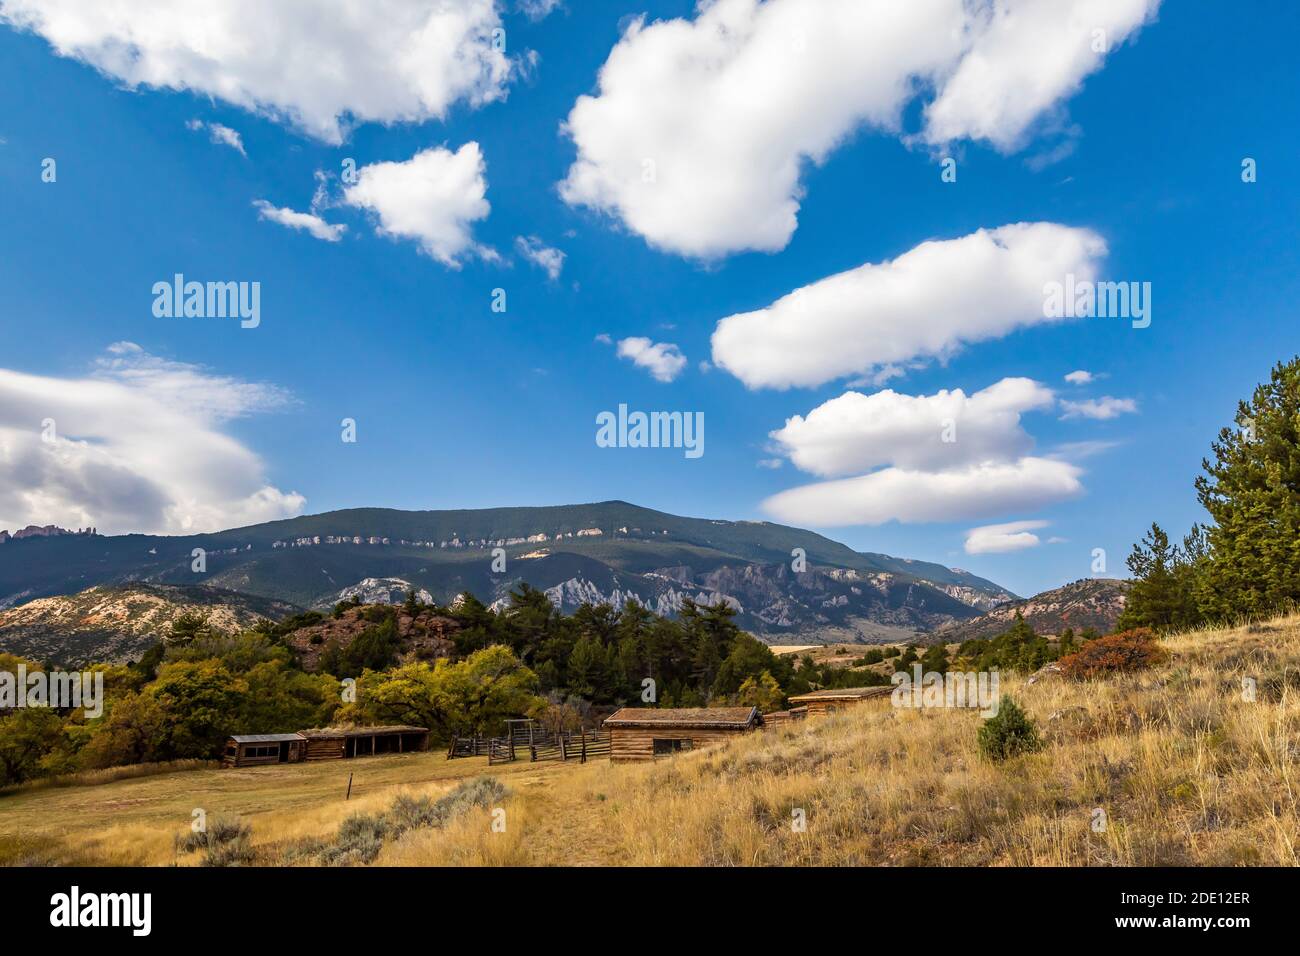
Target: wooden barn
{"points": [[254, 750], [644, 733], [341, 743], [822, 702]]}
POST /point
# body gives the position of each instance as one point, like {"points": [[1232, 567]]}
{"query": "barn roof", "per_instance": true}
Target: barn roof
{"points": [[685, 717], [843, 693], [364, 731], [264, 738]]}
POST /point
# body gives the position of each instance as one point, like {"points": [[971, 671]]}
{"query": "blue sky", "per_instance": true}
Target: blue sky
{"points": [[458, 406]]}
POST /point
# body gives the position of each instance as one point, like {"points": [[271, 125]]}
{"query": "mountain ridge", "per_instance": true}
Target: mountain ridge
{"points": [[787, 583]]}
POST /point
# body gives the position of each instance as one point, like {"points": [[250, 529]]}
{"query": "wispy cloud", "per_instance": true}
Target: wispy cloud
{"points": [[221, 135], [1099, 409], [546, 258], [1002, 538], [305, 221]]}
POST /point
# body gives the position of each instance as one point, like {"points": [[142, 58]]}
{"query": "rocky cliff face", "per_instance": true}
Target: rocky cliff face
{"points": [[118, 624], [42, 531], [1092, 602], [383, 591], [774, 602], [424, 635]]}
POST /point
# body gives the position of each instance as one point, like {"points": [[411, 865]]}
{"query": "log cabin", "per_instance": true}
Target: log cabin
{"points": [[254, 750], [781, 718], [644, 733], [821, 703]]}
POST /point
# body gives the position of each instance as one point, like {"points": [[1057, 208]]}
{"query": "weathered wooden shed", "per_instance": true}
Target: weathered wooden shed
{"points": [[254, 750], [338, 743], [823, 702], [781, 718], [643, 733]]}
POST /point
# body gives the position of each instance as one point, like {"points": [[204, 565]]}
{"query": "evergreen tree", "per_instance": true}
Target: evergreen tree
{"points": [[1252, 491], [935, 659], [588, 670], [1164, 592]]}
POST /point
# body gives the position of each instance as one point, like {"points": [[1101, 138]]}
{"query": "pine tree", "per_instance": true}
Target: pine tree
{"points": [[1252, 491], [935, 659], [1158, 598]]}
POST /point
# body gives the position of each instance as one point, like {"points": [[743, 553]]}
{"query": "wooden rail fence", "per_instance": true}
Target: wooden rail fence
{"points": [[472, 746], [580, 746], [500, 750]]}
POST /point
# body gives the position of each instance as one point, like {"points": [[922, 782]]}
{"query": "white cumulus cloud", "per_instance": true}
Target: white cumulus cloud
{"points": [[941, 457], [136, 445], [663, 360], [1025, 57], [433, 198], [306, 221], [855, 432], [1079, 377], [701, 129], [316, 65], [1002, 538], [926, 303]]}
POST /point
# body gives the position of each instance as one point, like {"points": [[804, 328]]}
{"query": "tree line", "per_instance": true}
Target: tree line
{"points": [[188, 693], [1244, 562]]}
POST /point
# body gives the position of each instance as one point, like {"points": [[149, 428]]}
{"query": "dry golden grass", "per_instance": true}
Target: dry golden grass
{"points": [[1185, 770], [133, 821]]}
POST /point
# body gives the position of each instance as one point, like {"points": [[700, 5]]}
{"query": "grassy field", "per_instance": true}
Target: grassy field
{"points": [[1186, 769]]}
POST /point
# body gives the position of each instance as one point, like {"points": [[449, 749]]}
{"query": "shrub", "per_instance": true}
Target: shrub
{"points": [[1119, 653], [1008, 733], [361, 836], [226, 841], [359, 840]]}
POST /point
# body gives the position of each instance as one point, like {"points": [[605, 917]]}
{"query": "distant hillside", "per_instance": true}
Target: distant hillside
{"points": [[118, 624], [424, 635], [1091, 602], [611, 551]]}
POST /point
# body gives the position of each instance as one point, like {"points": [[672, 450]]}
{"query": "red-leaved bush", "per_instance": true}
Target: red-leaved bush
{"points": [[1118, 653]]}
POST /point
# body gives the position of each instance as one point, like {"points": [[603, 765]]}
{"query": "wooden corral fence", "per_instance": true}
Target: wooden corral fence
{"points": [[528, 737], [580, 746], [589, 745], [500, 750], [474, 745]]}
